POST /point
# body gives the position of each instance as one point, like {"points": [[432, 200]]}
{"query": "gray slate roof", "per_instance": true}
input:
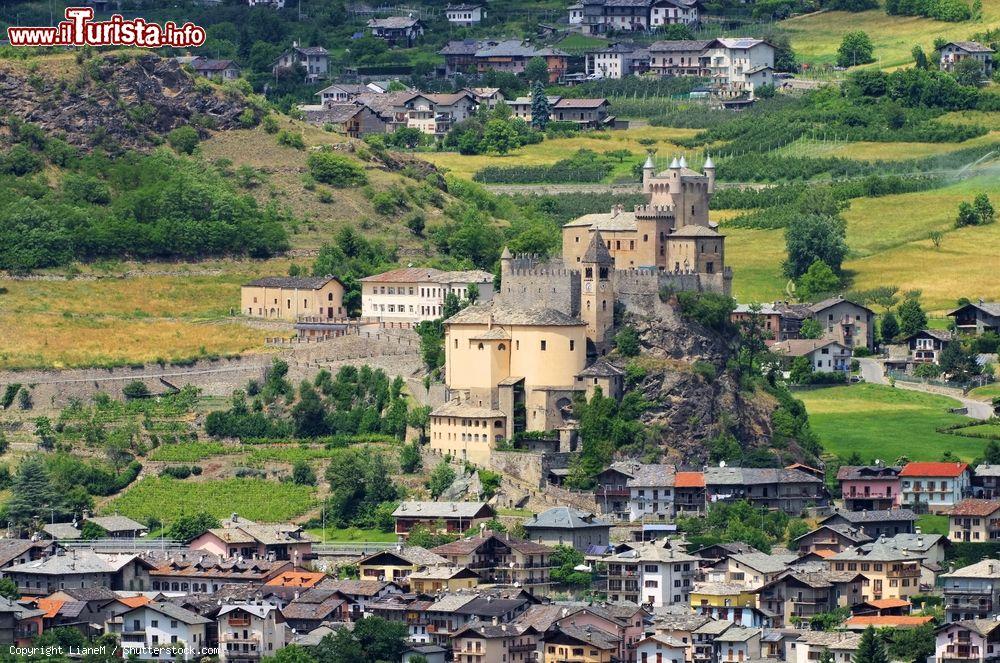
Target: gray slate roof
{"points": [[300, 282], [565, 517], [874, 516], [113, 524], [174, 612], [416, 509], [652, 475], [505, 314]]}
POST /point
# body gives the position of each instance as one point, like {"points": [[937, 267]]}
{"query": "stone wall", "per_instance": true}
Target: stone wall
{"points": [[527, 467], [544, 286]]}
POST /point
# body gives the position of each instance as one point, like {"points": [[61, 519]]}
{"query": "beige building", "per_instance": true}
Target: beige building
{"points": [[414, 294], [249, 631], [974, 521], [287, 298], [889, 573], [671, 233]]}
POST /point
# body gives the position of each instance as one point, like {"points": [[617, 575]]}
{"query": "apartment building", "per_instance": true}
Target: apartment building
{"points": [[935, 487], [974, 521], [164, 631], [972, 592], [790, 490], [834, 538], [869, 487], [799, 594], [651, 492], [250, 631], [415, 294], [501, 559], [968, 641], [809, 646], [890, 573], [652, 574], [888, 522], [617, 61]]}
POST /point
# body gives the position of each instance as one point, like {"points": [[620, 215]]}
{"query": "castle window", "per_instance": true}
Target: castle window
{"points": [[305, 303], [577, 238], [631, 245], [618, 245], [501, 347], [572, 345], [588, 304], [710, 267], [645, 238], [543, 346], [480, 346], [589, 272], [604, 305], [692, 209], [517, 345], [456, 344], [604, 272]]}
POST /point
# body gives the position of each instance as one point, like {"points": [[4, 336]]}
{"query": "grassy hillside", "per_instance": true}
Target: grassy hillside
{"points": [[816, 37], [886, 423]]}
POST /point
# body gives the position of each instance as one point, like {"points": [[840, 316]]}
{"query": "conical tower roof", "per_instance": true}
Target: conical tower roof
{"points": [[597, 252], [649, 162], [506, 255]]}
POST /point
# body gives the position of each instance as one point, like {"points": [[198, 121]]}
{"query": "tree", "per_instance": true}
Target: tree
{"points": [[292, 654], [539, 106], [45, 433], [24, 401], [536, 70], [936, 237], [33, 495], [419, 418], [818, 281], [303, 474], [911, 317], [958, 361], [814, 237], [472, 292], [441, 478], [410, 461], [135, 389], [870, 649], [4, 443], [564, 560], [801, 371], [336, 170], [186, 528], [796, 528], [627, 342], [912, 645], [499, 137], [856, 48], [888, 327], [991, 454], [811, 328], [969, 71], [967, 215], [766, 91], [184, 139], [919, 57], [92, 530], [984, 209], [309, 414], [8, 589]]}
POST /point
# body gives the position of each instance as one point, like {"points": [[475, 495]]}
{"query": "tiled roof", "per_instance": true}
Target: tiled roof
{"points": [[11, 549], [292, 282], [886, 604], [565, 517], [689, 480], [692, 230], [933, 469], [416, 509], [75, 562], [974, 507], [887, 621], [62, 531], [296, 579], [737, 634]]}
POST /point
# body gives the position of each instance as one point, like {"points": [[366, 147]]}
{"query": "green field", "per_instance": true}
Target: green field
{"points": [[930, 523], [256, 499], [816, 37], [351, 534], [886, 423], [987, 393], [189, 452]]}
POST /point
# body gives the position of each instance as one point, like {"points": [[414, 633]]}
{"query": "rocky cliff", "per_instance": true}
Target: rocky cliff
{"points": [[115, 101]]}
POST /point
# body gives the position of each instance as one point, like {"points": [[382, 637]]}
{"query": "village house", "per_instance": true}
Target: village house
{"points": [[208, 573], [512, 56], [977, 318], [602, 375], [875, 523], [889, 572], [972, 592], [450, 109], [869, 487], [654, 574], [752, 569], [661, 649], [436, 579], [486, 97], [679, 58], [860, 623], [465, 15], [314, 606], [736, 66], [81, 568], [611, 491], [217, 70], [502, 560], [954, 52], [249, 631], [974, 521], [824, 355], [570, 644], [360, 594], [295, 580], [20, 622], [934, 486], [737, 644], [799, 595], [415, 294], [809, 646], [709, 595], [846, 322], [617, 60], [494, 643], [586, 113], [460, 55], [986, 481], [314, 61], [349, 119], [969, 641], [790, 490], [567, 526], [401, 31], [242, 537], [20, 551], [703, 645], [597, 17], [398, 564], [651, 492], [289, 297], [341, 93], [154, 627], [925, 346], [780, 321], [833, 538], [448, 517]]}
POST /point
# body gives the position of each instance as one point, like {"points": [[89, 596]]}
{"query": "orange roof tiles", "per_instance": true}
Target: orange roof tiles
{"points": [[825, 554], [296, 579], [135, 601], [885, 604], [887, 620], [50, 606], [689, 480], [933, 469]]}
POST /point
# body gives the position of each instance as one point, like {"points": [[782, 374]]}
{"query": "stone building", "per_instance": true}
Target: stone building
{"points": [[287, 298], [414, 294]]}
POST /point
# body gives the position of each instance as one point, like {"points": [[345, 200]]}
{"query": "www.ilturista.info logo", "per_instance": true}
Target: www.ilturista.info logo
{"points": [[79, 29]]}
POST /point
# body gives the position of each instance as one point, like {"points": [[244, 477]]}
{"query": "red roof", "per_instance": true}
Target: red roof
{"points": [[135, 601], [885, 604], [974, 507], [50, 606], [864, 621], [296, 579], [689, 480], [933, 469]]}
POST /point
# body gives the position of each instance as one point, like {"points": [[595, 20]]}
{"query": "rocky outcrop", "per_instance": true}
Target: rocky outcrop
{"points": [[117, 102]]}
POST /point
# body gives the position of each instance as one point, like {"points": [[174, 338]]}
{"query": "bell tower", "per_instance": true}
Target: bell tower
{"points": [[597, 296]]}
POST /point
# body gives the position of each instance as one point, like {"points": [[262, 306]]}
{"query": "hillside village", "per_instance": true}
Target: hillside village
{"points": [[612, 331]]}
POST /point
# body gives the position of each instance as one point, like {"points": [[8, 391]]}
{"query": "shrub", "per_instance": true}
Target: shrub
{"points": [[184, 139], [336, 170], [270, 124], [135, 389], [705, 370], [291, 139], [176, 471]]}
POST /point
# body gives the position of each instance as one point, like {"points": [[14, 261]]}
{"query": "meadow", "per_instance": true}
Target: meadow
{"points": [[886, 423], [351, 534], [257, 499], [816, 37]]}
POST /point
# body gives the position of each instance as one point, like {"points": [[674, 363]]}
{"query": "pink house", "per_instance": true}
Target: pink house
{"points": [[239, 537], [869, 487]]}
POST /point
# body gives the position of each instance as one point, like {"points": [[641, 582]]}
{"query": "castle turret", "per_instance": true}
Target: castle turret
{"points": [[709, 169], [505, 260], [648, 169], [597, 297]]}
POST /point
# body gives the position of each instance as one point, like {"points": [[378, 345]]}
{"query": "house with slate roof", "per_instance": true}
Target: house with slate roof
{"points": [[502, 560], [567, 526], [314, 60], [401, 31], [441, 516], [790, 490], [250, 630], [289, 297], [875, 523], [245, 538], [166, 626], [977, 317], [954, 52]]}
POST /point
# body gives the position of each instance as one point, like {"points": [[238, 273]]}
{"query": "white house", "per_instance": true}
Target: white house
{"points": [[954, 52], [651, 492], [808, 647], [414, 294], [651, 574], [616, 61], [825, 355], [661, 649], [672, 12], [315, 60], [939, 486], [164, 632], [730, 60], [250, 630], [970, 641], [465, 15]]}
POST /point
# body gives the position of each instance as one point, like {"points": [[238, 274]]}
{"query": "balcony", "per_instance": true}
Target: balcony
{"points": [[956, 591], [522, 648]]}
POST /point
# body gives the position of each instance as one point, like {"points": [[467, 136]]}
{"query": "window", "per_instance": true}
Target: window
{"points": [[543, 346], [572, 345]]}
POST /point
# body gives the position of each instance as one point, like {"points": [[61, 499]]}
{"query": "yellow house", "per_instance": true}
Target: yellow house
{"points": [[288, 298], [573, 644], [722, 595], [435, 579], [889, 573], [398, 563]]}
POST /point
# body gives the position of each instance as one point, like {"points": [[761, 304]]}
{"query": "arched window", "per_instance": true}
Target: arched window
{"points": [[480, 346], [501, 347]]}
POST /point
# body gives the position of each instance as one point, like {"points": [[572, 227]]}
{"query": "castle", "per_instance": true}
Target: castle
{"points": [[515, 363]]}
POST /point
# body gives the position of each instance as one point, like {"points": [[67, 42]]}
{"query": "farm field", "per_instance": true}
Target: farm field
{"points": [[986, 393], [257, 499], [886, 423], [816, 37], [550, 151], [872, 151], [930, 523]]}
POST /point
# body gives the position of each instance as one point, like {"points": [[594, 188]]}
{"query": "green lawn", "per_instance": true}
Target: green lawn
{"points": [[930, 523], [885, 423], [256, 499], [351, 534], [987, 393]]}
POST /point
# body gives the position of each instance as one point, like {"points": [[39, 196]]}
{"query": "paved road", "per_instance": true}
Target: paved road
{"points": [[871, 371]]}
